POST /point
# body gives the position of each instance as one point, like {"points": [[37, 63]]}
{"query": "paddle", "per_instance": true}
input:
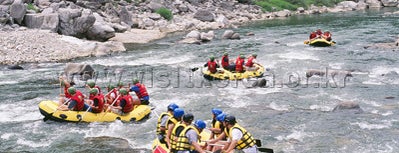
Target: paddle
{"points": [[106, 111], [51, 114], [194, 69], [259, 144]]}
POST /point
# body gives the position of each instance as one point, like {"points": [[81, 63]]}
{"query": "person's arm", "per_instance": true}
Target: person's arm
{"points": [[236, 135], [163, 123], [168, 134]]}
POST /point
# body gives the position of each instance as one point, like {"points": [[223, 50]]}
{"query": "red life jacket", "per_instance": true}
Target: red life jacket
{"points": [[142, 90], [99, 91], [100, 103], [240, 65], [67, 95], [128, 105], [212, 66], [79, 102], [225, 61], [249, 62], [312, 35]]}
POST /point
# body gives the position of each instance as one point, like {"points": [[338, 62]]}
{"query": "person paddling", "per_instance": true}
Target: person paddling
{"points": [[240, 64], [250, 63], [125, 104], [212, 65], [189, 138], [179, 127], [177, 116], [327, 35], [225, 62], [141, 92], [162, 127], [91, 85], [97, 101], [76, 103]]}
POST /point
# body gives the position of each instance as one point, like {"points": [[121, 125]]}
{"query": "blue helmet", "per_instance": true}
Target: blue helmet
{"points": [[200, 124], [221, 117], [178, 113], [216, 111], [172, 107]]}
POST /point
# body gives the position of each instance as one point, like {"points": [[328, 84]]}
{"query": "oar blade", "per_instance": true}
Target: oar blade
{"points": [[268, 150], [194, 69]]}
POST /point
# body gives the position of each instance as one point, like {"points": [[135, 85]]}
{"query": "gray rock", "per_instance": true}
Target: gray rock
{"points": [[84, 70], [207, 36], [194, 34], [227, 6], [227, 34], [42, 21], [101, 32], [204, 15], [18, 11], [6, 2], [348, 105], [389, 3], [190, 41], [15, 67], [374, 3], [235, 36], [74, 22], [126, 16], [153, 6]]}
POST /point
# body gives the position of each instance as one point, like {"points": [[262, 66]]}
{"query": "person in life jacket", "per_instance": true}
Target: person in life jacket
{"points": [[141, 92], [312, 35], [327, 35], [111, 95], [125, 103], [179, 127], [188, 140], [249, 66], [212, 65], [240, 64], [215, 126], [97, 101], [162, 127], [91, 84], [177, 116], [76, 103], [240, 138], [319, 33], [225, 62], [65, 96]]}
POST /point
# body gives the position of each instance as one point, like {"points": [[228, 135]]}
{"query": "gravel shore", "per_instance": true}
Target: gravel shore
{"points": [[24, 45]]}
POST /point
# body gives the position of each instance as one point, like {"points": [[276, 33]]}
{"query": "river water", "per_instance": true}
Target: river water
{"points": [[290, 114]]}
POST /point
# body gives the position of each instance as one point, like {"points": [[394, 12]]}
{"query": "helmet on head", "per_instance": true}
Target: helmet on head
{"points": [[123, 91], [254, 55], [212, 58], [71, 90], [91, 83], [94, 91], [178, 113], [200, 124], [242, 56], [225, 53], [172, 107], [216, 111], [230, 119], [135, 80], [188, 117], [110, 87], [221, 117], [119, 84]]}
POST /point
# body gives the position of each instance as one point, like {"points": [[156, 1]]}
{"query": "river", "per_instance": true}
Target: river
{"points": [[289, 115]]}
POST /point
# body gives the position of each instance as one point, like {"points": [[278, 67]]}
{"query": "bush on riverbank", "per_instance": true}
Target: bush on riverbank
{"points": [[277, 5], [165, 13]]}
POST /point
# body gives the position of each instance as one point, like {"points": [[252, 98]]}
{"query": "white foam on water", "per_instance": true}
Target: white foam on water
{"points": [[150, 60], [298, 55], [323, 108], [7, 136], [274, 106], [371, 126], [33, 144]]}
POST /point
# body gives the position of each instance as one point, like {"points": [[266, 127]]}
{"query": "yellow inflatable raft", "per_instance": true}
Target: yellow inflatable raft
{"points": [[224, 74], [48, 110], [320, 42], [158, 147]]}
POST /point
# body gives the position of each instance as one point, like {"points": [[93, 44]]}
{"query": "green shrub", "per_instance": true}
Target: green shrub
{"points": [[32, 7], [165, 13], [268, 5]]}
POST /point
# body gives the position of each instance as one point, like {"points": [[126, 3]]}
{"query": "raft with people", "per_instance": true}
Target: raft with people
{"points": [[158, 147], [49, 110], [223, 74], [319, 42]]}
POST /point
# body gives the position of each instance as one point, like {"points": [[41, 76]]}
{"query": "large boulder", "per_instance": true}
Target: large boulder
{"points": [[75, 22], [374, 3], [4, 16], [42, 21], [389, 3], [125, 16], [204, 15], [84, 70], [18, 11]]}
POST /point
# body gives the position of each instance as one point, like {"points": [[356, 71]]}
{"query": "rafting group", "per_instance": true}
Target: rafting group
{"points": [[177, 132], [233, 70], [320, 39], [116, 104]]}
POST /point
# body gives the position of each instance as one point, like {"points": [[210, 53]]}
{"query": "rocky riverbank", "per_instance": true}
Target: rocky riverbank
{"points": [[54, 30]]}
